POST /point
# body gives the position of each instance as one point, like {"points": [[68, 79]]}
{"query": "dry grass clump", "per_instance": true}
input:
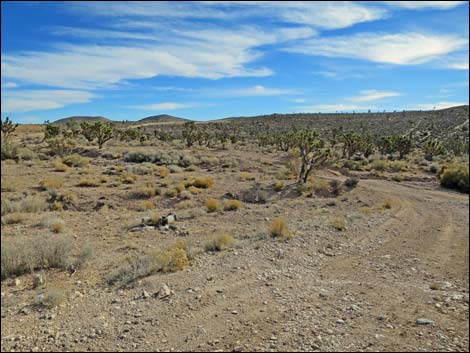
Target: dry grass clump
{"points": [[194, 190], [278, 186], [7, 185], [75, 160], [128, 178], [321, 187], [186, 195], [88, 182], [386, 204], [351, 183], [146, 205], [278, 229], [232, 205], [212, 205], [51, 183], [51, 298], [180, 187], [185, 204], [55, 224], [147, 191], [219, 243], [203, 183], [59, 166], [246, 176], [13, 218], [30, 204], [162, 171], [171, 193], [339, 224], [25, 254], [172, 259]]}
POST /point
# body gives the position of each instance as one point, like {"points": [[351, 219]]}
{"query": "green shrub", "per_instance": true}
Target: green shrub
{"points": [[455, 176]]}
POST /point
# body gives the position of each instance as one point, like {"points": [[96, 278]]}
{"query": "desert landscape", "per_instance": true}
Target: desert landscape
{"points": [[234, 176], [177, 236]]}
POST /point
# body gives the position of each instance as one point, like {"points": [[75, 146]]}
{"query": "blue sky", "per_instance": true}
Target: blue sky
{"points": [[208, 60]]}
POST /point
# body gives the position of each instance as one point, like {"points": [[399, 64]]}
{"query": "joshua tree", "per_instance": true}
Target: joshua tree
{"points": [[8, 128], [313, 152], [433, 148]]}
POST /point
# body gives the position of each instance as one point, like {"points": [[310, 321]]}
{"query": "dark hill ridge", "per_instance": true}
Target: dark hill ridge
{"points": [[162, 118], [80, 119]]}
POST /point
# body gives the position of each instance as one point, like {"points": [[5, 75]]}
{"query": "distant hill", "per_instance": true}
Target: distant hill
{"points": [[80, 119], [162, 118]]}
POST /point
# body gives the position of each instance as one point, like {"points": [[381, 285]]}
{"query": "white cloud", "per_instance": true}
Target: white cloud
{"points": [[297, 100], [333, 108], [9, 85], [399, 49], [372, 95], [164, 106], [438, 105], [29, 100], [418, 5], [257, 90], [320, 14]]}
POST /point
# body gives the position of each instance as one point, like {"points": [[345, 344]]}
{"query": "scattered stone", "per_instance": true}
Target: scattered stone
{"points": [[164, 292], [38, 280], [424, 322]]}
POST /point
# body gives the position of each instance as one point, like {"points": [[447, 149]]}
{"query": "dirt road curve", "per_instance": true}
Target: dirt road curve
{"points": [[363, 289]]}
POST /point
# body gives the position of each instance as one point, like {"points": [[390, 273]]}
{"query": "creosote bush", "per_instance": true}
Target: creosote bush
{"points": [[219, 243], [455, 176]]}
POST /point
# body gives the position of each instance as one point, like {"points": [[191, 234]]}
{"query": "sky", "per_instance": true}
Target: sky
{"points": [[208, 60]]}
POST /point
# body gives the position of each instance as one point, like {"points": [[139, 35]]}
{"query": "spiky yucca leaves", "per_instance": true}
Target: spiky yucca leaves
{"points": [[432, 148]]}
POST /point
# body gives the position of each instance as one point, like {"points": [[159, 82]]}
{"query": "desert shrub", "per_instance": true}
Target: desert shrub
{"points": [[246, 176], [31, 204], [140, 169], [25, 255], [396, 166], [172, 259], [351, 183], [185, 195], [321, 187], [162, 171], [185, 204], [146, 191], [209, 161], [339, 224], [51, 298], [9, 150], [386, 204], [51, 183], [171, 192], [194, 190], [175, 169], [192, 168], [128, 178], [59, 166], [455, 176], [88, 182], [379, 164], [203, 183], [232, 205], [55, 224], [60, 146], [278, 228], [212, 205], [180, 188], [335, 187], [255, 195], [75, 160], [278, 186], [137, 157], [146, 205], [433, 169], [13, 218], [26, 154], [219, 243]]}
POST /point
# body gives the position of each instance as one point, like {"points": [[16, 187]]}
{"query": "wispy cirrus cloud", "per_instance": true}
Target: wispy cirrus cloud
{"points": [[398, 49], [373, 95], [164, 106], [256, 91], [419, 5], [20, 101]]}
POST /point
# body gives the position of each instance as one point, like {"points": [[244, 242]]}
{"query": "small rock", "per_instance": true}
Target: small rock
{"points": [[424, 322], [164, 292]]}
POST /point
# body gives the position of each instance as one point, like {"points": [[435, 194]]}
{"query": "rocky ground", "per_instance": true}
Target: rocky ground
{"points": [[395, 279]]}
